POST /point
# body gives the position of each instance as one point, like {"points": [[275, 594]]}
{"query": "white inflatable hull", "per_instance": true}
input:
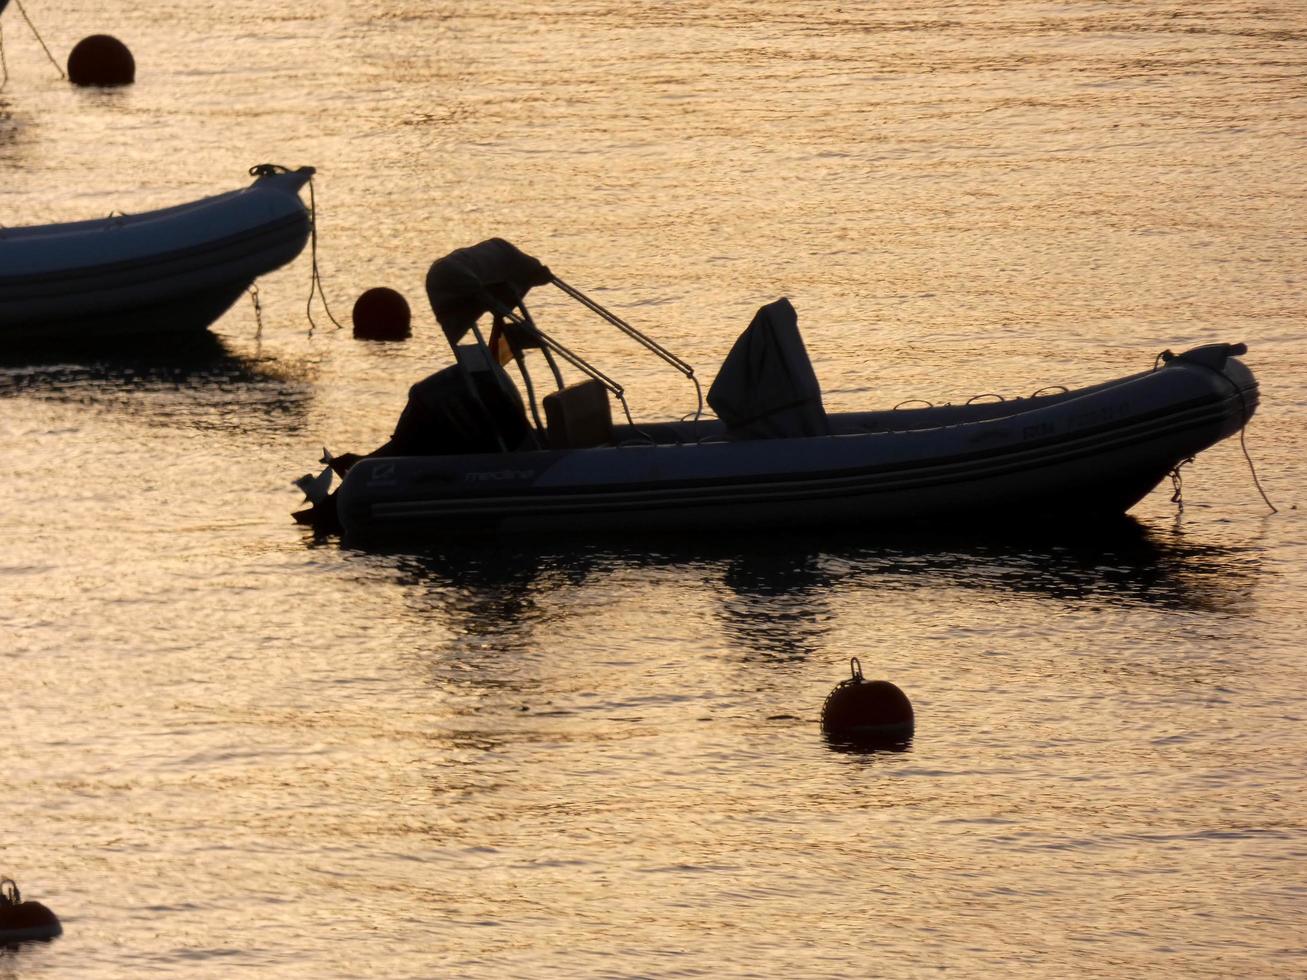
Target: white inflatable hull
{"points": [[168, 271], [1072, 456]]}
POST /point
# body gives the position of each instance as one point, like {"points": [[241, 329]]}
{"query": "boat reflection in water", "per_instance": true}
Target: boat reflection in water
{"points": [[754, 633], [194, 381], [774, 596]]}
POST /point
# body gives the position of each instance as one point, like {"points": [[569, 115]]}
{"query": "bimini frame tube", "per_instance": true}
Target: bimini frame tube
{"points": [[494, 277], [641, 338], [548, 343]]}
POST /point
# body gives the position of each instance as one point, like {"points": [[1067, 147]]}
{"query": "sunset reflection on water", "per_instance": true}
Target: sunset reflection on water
{"points": [[239, 749]]}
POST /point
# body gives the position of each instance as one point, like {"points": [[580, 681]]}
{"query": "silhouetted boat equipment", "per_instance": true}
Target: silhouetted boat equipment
{"points": [[774, 457], [172, 270], [24, 921]]}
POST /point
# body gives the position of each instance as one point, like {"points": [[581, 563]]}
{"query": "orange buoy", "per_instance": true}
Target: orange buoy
{"points": [[24, 921], [101, 60], [867, 713], [381, 314]]}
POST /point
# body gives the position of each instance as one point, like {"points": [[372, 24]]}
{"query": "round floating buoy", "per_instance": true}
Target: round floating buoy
{"points": [[869, 713], [101, 60], [23, 921], [381, 314]]}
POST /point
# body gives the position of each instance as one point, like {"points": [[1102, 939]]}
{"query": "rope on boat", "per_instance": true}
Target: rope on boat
{"points": [[975, 398], [1167, 356], [316, 282], [315, 278], [4, 66], [1177, 481], [40, 40], [1244, 446], [258, 310]]}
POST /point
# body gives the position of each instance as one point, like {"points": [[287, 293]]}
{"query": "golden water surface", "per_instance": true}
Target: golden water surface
{"points": [[230, 749]]}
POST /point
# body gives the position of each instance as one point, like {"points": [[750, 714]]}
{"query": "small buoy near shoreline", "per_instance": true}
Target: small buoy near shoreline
{"points": [[867, 714], [101, 60], [24, 921], [381, 313]]}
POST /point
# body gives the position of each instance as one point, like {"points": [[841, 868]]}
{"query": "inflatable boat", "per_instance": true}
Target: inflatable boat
{"points": [[173, 270], [773, 458]]}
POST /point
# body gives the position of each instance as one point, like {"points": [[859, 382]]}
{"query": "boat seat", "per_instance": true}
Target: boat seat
{"points": [[579, 416], [766, 388]]}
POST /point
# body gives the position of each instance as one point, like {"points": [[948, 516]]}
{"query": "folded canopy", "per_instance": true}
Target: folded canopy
{"points": [[766, 388], [473, 281]]}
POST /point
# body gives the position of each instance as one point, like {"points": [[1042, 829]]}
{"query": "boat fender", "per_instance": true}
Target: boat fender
{"points": [[1211, 356], [101, 60], [871, 714], [24, 921]]}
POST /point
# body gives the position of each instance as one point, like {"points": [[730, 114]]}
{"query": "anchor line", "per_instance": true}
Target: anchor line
{"points": [[1177, 482], [40, 40], [1243, 429], [258, 311], [315, 283], [315, 276]]}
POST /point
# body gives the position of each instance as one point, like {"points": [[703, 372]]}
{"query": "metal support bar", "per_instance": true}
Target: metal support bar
{"points": [[538, 434], [638, 336]]}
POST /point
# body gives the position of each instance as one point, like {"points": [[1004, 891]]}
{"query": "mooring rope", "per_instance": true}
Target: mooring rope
{"points": [[1166, 357], [4, 67], [315, 277], [1244, 446], [1177, 483], [316, 282], [258, 311], [40, 40]]}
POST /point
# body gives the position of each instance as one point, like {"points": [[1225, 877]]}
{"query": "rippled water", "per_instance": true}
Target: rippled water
{"points": [[232, 749]]}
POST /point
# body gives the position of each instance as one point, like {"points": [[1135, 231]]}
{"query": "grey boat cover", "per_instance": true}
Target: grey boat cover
{"points": [[766, 388], [473, 281]]}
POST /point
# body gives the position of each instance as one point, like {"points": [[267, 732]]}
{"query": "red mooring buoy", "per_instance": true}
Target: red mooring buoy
{"points": [[870, 713], [381, 314], [24, 921], [101, 60]]}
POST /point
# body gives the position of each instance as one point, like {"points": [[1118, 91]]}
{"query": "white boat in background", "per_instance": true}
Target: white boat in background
{"points": [[468, 458], [173, 270]]}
